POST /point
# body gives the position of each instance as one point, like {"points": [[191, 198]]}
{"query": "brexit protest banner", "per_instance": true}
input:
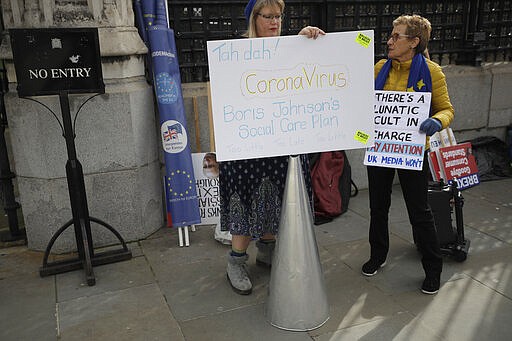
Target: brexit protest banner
{"points": [[443, 138], [433, 164], [291, 95], [181, 195], [206, 172], [457, 163], [397, 117]]}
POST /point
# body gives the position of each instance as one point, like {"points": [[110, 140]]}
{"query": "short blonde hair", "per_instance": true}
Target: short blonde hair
{"points": [[251, 30], [417, 26]]}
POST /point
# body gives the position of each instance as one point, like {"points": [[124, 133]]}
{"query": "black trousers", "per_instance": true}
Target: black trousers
{"points": [[415, 192]]}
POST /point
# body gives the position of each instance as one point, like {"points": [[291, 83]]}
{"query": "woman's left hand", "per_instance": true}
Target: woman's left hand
{"points": [[311, 32]]}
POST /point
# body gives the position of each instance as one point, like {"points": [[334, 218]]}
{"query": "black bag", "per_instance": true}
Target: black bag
{"points": [[444, 201], [331, 180]]}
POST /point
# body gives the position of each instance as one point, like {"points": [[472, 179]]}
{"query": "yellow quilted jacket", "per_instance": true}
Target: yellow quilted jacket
{"points": [[442, 108]]}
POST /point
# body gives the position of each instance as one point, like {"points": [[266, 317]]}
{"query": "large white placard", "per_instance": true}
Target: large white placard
{"points": [[398, 141], [291, 95]]}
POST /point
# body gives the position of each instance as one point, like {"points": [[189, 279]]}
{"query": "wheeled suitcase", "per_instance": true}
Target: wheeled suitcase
{"points": [[445, 200]]}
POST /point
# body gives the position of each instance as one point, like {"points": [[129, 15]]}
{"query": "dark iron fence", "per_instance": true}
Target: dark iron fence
{"points": [[463, 32]]}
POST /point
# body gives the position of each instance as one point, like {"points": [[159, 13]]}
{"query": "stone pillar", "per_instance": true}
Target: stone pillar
{"points": [[116, 135]]}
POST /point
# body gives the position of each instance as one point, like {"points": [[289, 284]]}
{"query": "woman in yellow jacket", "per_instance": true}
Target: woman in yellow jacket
{"points": [[407, 69]]}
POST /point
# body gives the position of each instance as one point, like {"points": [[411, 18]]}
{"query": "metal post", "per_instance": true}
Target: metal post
{"points": [[77, 195], [81, 220]]}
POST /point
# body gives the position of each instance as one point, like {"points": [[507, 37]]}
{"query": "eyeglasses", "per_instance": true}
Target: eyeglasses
{"points": [[270, 18], [396, 36]]}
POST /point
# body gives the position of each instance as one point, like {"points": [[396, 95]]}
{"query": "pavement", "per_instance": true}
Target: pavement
{"points": [[167, 292]]}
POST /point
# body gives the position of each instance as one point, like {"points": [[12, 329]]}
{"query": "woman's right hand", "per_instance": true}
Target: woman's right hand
{"points": [[311, 32]]}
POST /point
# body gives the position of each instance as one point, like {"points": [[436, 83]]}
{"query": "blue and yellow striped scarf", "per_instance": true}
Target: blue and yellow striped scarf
{"points": [[419, 76]]}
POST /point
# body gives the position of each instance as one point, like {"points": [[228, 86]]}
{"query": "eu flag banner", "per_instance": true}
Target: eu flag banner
{"points": [[181, 195], [139, 19]]}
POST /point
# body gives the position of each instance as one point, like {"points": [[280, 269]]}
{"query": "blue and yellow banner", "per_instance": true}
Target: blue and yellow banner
{"points": [[180, 189]]}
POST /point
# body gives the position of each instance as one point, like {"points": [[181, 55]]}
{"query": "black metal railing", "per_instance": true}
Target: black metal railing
{"points": [[463, 32]]}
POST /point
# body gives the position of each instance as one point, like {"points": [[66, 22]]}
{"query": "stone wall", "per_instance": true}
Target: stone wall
{"points": [[116, 139]]}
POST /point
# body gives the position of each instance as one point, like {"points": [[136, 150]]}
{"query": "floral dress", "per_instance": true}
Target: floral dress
{"points": [[251, 194]]}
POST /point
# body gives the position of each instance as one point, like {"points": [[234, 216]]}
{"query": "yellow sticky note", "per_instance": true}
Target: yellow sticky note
{"points": [[363, 40], [361, 137]]}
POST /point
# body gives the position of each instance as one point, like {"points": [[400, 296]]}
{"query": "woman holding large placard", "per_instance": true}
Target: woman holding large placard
{"points": [[251, 190], [407, 69]]}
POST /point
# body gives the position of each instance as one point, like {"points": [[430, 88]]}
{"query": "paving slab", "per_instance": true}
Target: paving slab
{"points": [[349, 226], [27, 308], [464, 309], [397, 327], [200, 289], [352, 299], [493, 269], [246, 323], [359, 204], [18, 260], [138, 313], [489, 217], [165, 249], [109, 278], [497, 192], [403, 270]]}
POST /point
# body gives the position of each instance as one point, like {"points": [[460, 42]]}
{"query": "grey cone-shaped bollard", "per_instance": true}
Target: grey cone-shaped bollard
{"points": [[297, 297]]}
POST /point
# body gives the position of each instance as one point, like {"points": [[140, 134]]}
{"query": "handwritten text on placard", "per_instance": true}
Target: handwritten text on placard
{"points": [[397, 116], [290, 95]]}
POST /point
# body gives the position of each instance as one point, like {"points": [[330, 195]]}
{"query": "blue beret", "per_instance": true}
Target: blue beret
{"points": [[248, 9]]}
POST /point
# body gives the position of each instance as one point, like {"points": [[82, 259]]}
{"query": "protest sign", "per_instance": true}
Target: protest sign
{"points": [[291, 95], [397, 117], [206, 172], [443, 138], [457, 163], [433, 164]]}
